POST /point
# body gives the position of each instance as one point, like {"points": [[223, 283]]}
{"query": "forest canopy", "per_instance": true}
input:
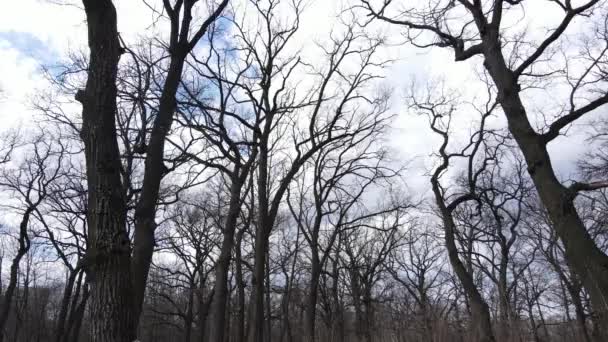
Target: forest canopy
{"points": [[304, 170]]}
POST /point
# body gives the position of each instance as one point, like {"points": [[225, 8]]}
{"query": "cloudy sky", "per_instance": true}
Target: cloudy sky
{"points": [[34, 33]]}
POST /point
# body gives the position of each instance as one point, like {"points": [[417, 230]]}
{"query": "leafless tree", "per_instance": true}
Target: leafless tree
{"points": [[126, 274], [29, 183], [512, 59], [478, 154], [419, 268]]}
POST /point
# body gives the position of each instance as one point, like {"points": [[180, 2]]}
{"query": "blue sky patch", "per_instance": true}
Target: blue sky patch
{"points": [[29, 45]]}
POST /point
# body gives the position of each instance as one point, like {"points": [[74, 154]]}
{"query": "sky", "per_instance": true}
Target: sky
{"points": [[34, 33]]}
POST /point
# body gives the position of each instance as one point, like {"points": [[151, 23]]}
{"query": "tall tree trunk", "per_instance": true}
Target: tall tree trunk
{"points": [[145, 212], [480, 313], [533, 326], [240, 287], [368, 313], [268, 320], [75, 298], [76, 324], [220, 299], [108, 256], [285, 326], [65, 303], [24, 246], [581, 318], [189, 317], [587, 260], [203, 313], [313, 292], [504, 311], [263, 228], [256, 325]]}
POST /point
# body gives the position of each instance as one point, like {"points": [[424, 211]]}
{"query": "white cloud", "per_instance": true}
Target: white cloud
{"points": [[62, 27]]}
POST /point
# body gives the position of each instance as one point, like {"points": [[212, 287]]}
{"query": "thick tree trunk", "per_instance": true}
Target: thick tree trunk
{"points": [[586, 259], [108, 256]]}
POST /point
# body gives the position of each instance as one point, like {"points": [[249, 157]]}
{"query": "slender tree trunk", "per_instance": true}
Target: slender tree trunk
{"points": [[311, 302], [368, 315], [426, 317], [1, 264], [356, 294], [145, 212], [240, 286], [74, 303], [285, 326], [532, 321], [268, 320], [541, 316], [581, 318], [65, 303], [18, 320], [263, 228], [189, 319], [74, 331], [154, 169], [339, 326], [256, 326], [203, 313], [25, 298], [480, 313], [503, 297], [24, 246], [220, 299], [228, 323]]}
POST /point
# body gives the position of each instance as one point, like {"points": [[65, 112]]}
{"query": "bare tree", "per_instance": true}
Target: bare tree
{"points": [[30, 183], [420, 270], [109, 254], [478, 154], [99, 111], [329, 113], [511, 59], [182, 40], [342, 173]]}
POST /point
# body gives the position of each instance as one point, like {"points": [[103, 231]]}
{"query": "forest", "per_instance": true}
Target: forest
{"points": [[306, 170]]}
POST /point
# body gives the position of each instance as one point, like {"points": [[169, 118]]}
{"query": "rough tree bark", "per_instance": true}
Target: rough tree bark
{"points": [[108, 257]]}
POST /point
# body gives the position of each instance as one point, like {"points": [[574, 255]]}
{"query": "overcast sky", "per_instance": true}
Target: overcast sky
{"points": [[39, 32]]}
